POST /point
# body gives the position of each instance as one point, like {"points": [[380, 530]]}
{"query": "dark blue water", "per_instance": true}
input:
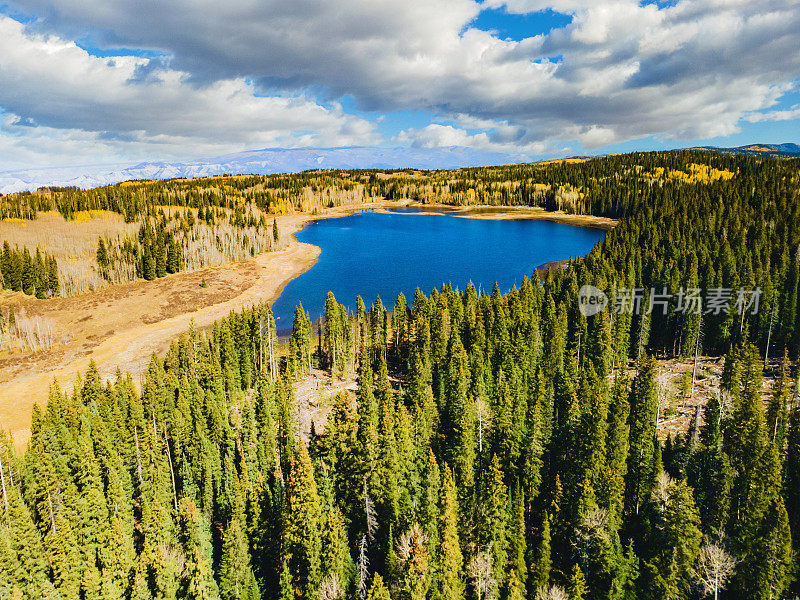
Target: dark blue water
{"points": [[384, 254]]}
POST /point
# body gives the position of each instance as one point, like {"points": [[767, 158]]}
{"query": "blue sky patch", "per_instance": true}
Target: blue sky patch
{"points": [[519, 27]]}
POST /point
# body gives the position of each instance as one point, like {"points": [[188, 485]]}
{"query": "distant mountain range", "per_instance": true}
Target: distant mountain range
{"points": [[277, 160], [261, 162], [774, 150]]}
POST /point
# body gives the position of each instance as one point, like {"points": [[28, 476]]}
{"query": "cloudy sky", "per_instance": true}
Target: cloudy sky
{"points": [[87, 81]]}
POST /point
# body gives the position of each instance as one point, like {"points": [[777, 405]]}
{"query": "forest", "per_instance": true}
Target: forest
{"points": [[36, 275], [498, 445], [212, 220]]}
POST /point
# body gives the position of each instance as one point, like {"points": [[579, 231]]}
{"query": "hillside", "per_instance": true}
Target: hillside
{"points": [[278, 160], [454, 445], [771, 150], [259, 162]]}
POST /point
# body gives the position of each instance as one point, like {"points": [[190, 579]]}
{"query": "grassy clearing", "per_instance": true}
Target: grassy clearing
{"points": [[21, 332], [72, 243]]}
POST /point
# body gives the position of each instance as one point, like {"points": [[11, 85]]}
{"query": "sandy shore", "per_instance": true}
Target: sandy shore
{"points": [[123, 325], [514, 212]]}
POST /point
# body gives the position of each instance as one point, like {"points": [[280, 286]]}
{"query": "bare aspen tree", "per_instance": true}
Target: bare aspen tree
{"points": [[171, 469], [271, 353], [363, 567], [769, 332], [696, 354], [138, 458], [260, 343], [554, 592], [593, 527], [34, 333], [369, 513], [479, 570], [484, 416], [330, 588], [715, 568], [665, 393], [405, 543], [661, 489], [725, 405], [3, 480]]}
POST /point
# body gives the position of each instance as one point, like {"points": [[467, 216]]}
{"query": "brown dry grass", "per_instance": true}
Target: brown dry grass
{"points": [[707, 385], [502, 213], [122, 325], [72, 243]]}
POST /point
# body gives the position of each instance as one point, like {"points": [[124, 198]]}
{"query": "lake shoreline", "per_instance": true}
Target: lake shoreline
{"points": [[375, 232], [508, 213], [122, 325]]}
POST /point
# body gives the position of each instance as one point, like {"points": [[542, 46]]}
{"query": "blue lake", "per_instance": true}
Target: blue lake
{"points": [[382, 254]]}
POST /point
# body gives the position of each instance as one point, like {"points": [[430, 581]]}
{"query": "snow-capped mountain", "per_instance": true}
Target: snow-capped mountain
{"points": [[263, 162], [788, 150]]}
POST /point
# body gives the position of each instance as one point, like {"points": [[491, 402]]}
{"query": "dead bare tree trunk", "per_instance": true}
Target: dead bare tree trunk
{"points": [[272, 363], [769, 335], [696, 353], [52, 517], [171, 470], [138, 458], [3, 480], [260, 343]]}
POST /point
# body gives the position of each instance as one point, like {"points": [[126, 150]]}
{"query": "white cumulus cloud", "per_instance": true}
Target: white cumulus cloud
{"points": [[51, 89], [242, 73]]}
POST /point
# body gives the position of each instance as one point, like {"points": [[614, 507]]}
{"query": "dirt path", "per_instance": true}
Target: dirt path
{"points": [[136, 327], [122, 325]]}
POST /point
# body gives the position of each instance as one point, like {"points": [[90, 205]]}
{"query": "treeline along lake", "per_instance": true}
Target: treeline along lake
{"points": [[386, 253]]}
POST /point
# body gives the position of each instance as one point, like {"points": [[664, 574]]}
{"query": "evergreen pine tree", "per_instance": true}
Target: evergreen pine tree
{"points": [[577, 584], [302, 537], [236, 579], [767, 569], [449, 560], [642, 425], [492, 526]]}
